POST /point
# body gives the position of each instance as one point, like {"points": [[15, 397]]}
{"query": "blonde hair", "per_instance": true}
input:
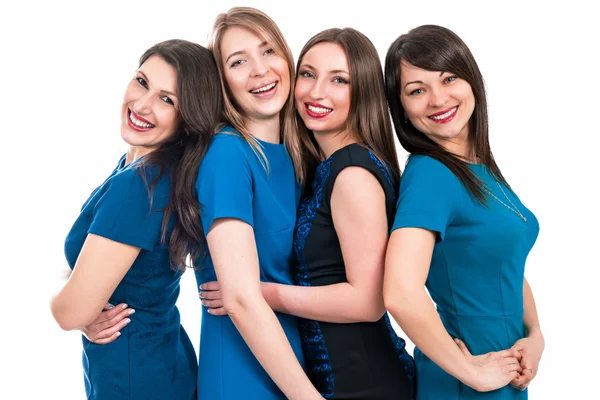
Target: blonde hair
{"points": [[261, 24]]}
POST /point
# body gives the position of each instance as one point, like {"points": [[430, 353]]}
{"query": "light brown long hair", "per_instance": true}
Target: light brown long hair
{"points": [[368, 121], [261, 24]]}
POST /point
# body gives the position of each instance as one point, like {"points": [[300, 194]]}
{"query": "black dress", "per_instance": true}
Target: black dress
{"points": [[363, 360]]}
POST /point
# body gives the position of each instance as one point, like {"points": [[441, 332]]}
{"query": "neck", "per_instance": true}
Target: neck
{"points": [[266, 130], [136, 152], [329, 143]]}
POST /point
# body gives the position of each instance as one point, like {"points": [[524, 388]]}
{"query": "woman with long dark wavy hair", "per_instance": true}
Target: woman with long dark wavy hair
{"points": [[460, 230], [130, 242]]}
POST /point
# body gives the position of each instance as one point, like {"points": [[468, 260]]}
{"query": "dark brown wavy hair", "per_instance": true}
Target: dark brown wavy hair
{"points": [[368, 121], [435, 48], [200, 105]]}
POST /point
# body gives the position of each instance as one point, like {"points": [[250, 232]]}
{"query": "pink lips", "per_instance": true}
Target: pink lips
{"points": [[135, 127], [267, 93], [313, 114], [446, 119]]}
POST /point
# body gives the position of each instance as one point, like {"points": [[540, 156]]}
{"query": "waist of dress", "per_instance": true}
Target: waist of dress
{"points": [[516, 314]]}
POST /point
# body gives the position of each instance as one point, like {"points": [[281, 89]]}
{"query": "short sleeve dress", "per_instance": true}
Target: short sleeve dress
{"points": [[477, 269], [233, 183], [154, 357]]}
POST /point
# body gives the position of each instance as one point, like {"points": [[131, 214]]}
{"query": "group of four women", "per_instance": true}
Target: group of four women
{"points": [[286, 213]]}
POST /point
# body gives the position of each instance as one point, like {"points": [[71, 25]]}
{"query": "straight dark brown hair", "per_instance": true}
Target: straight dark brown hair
{"points": [[435, 48], [200, 105], [368, 121]]}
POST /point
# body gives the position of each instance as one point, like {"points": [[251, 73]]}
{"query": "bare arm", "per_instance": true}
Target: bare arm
{"points": [[533, 344], [359, 216], [407, 266], [233, 251], [101, 265]]}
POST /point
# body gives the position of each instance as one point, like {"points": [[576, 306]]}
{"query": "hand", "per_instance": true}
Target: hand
{"points": [[210, 293], [531, 349], [106, 328], [492, 370]]}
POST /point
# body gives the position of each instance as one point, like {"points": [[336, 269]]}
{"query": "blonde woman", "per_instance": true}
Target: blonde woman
{"points": [[249, 189]]}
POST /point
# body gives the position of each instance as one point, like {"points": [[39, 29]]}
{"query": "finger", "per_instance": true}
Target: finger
{"points": [[107, 307], [213, 303], [510, 353], [117, 319], [217, 311], [111, 313], [210, 295], [214, 285], [462, 346], [524, 386], [109, 339], [108, 333]]}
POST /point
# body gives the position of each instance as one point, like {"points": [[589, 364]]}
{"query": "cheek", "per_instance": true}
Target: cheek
{"points": [[133, 92], [169, 118], [302, 87], [236, 83]]}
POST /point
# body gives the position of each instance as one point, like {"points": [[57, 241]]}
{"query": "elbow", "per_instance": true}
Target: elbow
{"points": [[375, 312], [397, 304], [67, 318], [240, 303]]}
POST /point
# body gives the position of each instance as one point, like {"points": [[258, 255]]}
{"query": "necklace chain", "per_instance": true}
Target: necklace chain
{"points": [[513, 208]]}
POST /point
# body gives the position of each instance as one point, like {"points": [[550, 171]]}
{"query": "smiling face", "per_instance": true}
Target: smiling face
{"points": [[150, 115], [323, 89], [437, 103], [257, 77]]}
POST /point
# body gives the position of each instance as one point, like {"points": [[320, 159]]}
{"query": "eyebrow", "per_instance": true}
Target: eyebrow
{"points": [[335, 71], [235, 53], [162, 91], [421, 82]]}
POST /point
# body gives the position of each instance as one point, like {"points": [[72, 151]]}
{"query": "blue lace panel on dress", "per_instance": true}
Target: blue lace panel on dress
{"points": [[313, 342], [407, 360]]}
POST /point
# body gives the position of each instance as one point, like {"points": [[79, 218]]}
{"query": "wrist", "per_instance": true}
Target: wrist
{"points": [[269, 291]]}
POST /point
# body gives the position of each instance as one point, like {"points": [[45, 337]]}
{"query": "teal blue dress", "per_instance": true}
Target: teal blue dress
{"points": [[477, 268], [154, 357], [232, 183]]}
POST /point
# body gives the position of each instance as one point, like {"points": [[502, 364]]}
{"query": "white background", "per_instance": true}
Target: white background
{"points": [[64, 68]]}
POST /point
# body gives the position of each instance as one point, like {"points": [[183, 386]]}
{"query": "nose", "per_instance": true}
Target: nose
{"points": [[438, 97], [142, 106], [260, 67], [316, 91]]}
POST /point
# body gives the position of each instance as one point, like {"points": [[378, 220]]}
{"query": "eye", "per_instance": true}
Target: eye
{"points": [[142, 81], [450, 79], [339, 79], [167, 100], [237, 63], [268, 51], [307, 74], [415, 92]]}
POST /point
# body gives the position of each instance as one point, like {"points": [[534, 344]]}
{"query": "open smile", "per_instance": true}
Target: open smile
{"points": [[445, 116], [316, 110], [138, 123]]}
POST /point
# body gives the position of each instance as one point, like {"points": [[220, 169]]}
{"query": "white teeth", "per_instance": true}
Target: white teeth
{"points": [[444, 115], [319, 110], [138, 123], [264, 88]]}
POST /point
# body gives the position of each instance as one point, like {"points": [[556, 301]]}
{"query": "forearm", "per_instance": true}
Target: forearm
{"points": [[416, 315], [262, 331], [337, 303], [530, 315]]}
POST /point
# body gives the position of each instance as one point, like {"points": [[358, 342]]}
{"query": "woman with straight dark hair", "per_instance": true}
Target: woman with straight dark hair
{"points": [[459, 230], [130, 242], [351, 349]]}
